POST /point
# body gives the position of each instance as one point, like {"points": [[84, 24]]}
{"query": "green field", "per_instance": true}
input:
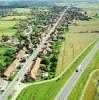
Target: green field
{"points": [[49, 90], [23, 10], [77, 90], [91, 9], [7, 23], [6, 27], [12, 18], [92, 87]]}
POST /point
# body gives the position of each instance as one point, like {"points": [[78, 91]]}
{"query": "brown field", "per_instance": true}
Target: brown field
{"points": [[71, 48], [85, 26]]}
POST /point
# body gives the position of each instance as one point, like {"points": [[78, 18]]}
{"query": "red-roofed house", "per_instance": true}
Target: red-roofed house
{"points": [[34, 70]]}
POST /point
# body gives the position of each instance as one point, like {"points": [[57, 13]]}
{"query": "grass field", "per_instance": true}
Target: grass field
{"points": [[77, 90], [23, 10], [85, 26], [48, 91], [91, 9], [6, 27], [86, 5], [7, 23], [71, 48], [91, 89], [12, 18]]}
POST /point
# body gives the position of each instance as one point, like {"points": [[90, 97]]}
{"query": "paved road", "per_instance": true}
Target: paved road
{"points": [[28, 63], [67, 88]]}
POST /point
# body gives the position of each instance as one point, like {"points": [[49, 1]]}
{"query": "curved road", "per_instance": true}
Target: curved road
{"points": [[67, 88]]}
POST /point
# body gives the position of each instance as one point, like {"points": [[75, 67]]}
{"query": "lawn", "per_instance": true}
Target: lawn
{"points": [[78, 89], [48, 91], [71, 48], [6, 27], [91, 89]]}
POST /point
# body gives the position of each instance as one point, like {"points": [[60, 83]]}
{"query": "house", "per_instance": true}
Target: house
{"points": [[44, 75], [10, 69], [49, 49], [13, 65], [45, 51], [34, 70]]}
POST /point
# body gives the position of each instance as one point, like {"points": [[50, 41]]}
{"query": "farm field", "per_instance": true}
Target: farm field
{"points": [[91, 9], [92, 87], [91, 26], [6, 27], [7, 23], [71, 48], [23, 10], [78, 89], [12, 18], [35, 91]]}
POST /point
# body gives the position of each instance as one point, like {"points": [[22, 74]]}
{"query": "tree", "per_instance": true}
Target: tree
{"points": [[5, 38], [46, 61], [9, 53], [53, 59]]}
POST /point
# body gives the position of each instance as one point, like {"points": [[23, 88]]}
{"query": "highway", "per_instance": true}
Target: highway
{"points": [[67, 88], [28, 62]]}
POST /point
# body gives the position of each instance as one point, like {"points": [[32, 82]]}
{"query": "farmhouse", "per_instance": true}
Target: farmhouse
{"points": [[10, 69]]}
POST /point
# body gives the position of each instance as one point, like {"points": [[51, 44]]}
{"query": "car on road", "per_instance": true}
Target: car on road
{"points": [[78, 68]]}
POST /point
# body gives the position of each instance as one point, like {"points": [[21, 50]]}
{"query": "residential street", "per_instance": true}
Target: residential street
{"points": [[28, 63], [67, 88]]}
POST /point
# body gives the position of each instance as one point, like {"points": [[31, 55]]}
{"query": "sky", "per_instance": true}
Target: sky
{"points": [[46, 0]]}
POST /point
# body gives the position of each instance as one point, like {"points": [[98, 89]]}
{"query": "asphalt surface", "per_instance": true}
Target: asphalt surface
{"points": [[28, 63], [67, 88]]}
